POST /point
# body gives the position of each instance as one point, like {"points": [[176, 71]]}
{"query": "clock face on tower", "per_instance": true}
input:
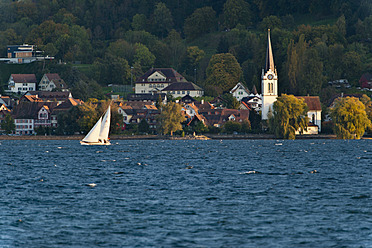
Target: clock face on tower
{"points": [[270, 76]]}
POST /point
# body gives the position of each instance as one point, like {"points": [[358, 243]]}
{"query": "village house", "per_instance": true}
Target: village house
{"points": [[150, 98], [239, 91], [135, 112], [48, 96], [218, 117], [161, 80], [156, 79], [3, 112], [182, 89], [52, 81], [21, 83], [28, 116], [366, 81]]}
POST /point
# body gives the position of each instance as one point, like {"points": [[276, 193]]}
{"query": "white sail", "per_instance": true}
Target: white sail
{"points": [[105, 126], [93, 134], [98, 135]]}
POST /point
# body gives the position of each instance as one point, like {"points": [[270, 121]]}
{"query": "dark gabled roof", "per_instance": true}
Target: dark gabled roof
{"points": [[24, 78], [66, 105], [29, 110], [254, 90], [182, 86], [313, 102], [52, 76], [146, 97], [59, 83], [187, 99], [171, 75]]}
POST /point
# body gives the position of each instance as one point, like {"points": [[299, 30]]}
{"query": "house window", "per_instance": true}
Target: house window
{"points": [[313, 118]]}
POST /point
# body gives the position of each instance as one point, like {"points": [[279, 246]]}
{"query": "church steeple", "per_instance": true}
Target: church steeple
{"points": [[269, 81], [269, 55]]}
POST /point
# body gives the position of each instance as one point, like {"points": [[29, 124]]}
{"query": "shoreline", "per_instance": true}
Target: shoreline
{"points": [[161, 137]]}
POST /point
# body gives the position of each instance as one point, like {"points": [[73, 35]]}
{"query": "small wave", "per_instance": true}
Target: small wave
{"points": [[249, 172]]}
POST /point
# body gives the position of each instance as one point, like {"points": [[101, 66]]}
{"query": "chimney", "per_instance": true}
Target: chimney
{"points": [[202, 101], [342, 94]]}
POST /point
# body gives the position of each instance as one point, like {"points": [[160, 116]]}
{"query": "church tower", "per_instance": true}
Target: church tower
{"points": [[269, 81]]}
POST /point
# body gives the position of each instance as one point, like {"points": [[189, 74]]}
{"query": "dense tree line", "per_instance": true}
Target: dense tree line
{"points": [[123, 39]]}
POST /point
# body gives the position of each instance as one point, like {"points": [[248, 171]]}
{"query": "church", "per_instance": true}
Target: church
{"points": [[269, 89]]}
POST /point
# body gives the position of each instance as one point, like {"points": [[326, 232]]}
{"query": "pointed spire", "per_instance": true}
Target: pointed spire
{"points": [[269, 55], [254, 90]]}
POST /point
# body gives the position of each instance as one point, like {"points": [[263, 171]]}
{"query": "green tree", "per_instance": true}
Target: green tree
{"points": [[170, 118], [350, 118], [223, 71], [143, 126], [192, 59], [176, 47], [163, 21], [231, 101], [236, 12], [200, 128], [232, 126], [139, 22], [200, 22], [8, 124], [143, 56], [88, 116], [289, 116], [123, 49], [271, 22]]}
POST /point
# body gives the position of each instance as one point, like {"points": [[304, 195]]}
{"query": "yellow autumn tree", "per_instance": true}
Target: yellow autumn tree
{"points": [[170, 118], [349, 118]]}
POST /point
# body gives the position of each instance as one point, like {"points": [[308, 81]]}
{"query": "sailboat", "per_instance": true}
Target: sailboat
{"points": [[98, 135]]}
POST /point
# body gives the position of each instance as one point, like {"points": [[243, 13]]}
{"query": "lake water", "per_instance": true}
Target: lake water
{"points": [[186, 194]]}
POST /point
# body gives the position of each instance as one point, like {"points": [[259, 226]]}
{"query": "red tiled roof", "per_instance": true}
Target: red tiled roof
{"points": [[52, 76], [24, 78], [313, 102]]}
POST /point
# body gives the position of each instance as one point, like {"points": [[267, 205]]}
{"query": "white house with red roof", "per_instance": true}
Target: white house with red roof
{"points": [[21, 83]]}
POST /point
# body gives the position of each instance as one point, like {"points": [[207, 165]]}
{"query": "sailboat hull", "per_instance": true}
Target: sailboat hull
{"points": [[94, 143]]}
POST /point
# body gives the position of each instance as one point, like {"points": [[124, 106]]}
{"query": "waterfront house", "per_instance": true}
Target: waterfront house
{"points": [[218, 117], [3, 112], [30, 115], [314, 114]]}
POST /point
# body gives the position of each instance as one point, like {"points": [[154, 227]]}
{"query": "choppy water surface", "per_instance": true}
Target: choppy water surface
{"points": [[238, 193]]}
